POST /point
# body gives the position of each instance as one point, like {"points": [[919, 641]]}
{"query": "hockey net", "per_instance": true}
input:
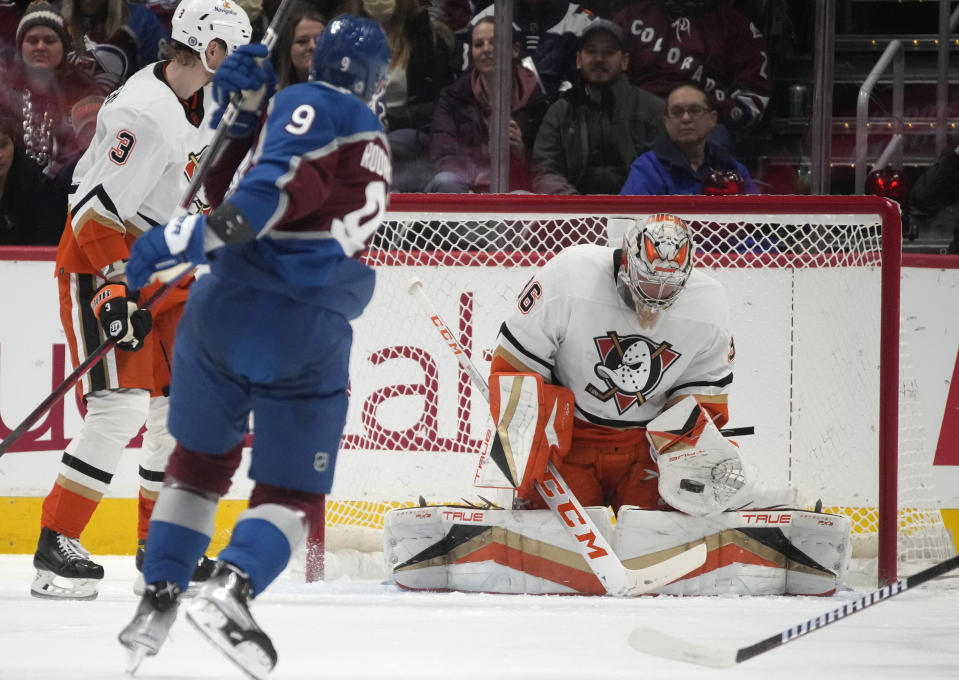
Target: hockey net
{"points": [[813, 285]]}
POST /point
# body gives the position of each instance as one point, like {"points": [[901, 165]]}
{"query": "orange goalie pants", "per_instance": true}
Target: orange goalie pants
{"points": [[148, 368], [608, 467]]}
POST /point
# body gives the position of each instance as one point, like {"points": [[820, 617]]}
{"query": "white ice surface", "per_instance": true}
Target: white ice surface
{"points": [[364, 629]]}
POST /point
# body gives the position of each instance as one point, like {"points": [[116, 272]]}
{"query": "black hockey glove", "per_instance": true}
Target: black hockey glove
{"points": [[116, 309]]}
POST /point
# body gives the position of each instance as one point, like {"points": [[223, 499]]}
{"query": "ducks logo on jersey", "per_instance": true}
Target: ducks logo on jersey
{"points": [[631, 367]]}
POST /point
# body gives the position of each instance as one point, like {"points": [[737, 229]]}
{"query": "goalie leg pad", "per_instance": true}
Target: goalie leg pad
{"points": [[488, 550], [753, 552], [534, 423]]}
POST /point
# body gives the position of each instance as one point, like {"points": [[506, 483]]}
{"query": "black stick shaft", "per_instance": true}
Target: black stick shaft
{"points": [[848, 609], [92, 360]]}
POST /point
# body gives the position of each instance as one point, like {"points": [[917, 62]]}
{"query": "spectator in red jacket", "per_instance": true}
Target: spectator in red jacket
{"points": [[460, 134], [42, 87]]}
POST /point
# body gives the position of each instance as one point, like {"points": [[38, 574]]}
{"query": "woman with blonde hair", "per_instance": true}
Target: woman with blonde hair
{"points": [[423, 63]]}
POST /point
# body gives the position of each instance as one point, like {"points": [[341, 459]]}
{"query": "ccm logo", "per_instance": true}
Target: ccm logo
{"points": [[447, 335], [781, 518], [464, 516]]}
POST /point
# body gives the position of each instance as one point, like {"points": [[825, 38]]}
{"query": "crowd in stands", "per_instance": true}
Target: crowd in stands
{"points": [[608, 96]]}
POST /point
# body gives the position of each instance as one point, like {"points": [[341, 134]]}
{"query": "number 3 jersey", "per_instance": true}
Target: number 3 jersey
{"points": [[137, 169], [572, 325], [314, 193]]}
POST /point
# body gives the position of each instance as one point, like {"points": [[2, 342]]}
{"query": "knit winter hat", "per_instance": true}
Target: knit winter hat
{"points": [[42, 13]]}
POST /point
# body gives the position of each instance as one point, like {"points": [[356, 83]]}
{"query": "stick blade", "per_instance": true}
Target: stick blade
{"points": [[666, 646], [640, 581]]}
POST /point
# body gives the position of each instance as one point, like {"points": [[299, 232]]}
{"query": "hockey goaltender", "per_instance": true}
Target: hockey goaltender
{"points": [[615, 365]]}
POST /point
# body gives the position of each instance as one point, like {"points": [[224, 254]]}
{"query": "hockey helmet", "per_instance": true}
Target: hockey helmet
{"points": [[196, 22], [352, 53], [657, 260]]}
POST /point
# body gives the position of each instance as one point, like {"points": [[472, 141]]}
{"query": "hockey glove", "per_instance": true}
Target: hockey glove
{"points": [[247, 73], [116, 308], [164, 252]]}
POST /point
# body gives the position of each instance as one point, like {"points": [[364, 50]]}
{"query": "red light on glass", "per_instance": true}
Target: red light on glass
{"points": [[889, 183]]}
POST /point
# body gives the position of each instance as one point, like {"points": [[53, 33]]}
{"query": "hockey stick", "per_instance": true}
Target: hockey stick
{"points": [[92, 360], [595, 549], [213, 149], [659, 644]]}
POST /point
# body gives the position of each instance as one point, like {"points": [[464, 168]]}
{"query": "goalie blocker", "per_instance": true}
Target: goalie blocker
{"points": [[751, 552]]}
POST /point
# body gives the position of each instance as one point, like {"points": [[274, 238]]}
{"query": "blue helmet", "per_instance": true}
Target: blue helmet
{"points": [[352, 53]]}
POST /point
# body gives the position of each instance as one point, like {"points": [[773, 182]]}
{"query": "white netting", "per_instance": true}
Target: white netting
{"points": [[804, 288]]}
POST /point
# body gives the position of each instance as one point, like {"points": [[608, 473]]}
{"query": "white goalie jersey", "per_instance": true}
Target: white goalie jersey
{"points": [[147, 145], [572, 326]]}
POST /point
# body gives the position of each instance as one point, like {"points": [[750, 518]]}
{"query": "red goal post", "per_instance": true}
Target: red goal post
{"points": [[415, 425]]}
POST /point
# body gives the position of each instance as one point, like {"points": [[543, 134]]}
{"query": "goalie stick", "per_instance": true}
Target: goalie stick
{"points": [[670, 647], [595, 549], [213, 149]]}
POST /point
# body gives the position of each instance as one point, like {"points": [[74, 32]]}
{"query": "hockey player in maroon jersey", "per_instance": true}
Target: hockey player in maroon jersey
{"points": [[266, 331]]}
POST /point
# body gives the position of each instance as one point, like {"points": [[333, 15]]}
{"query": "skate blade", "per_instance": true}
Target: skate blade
{"points": [[207, 618], [135, 655], [49, 586]]}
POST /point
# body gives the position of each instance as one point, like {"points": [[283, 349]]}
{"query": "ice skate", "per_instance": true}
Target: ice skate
{"points": [[201, 572], [64, 569], [221, 614], [145, 634]]}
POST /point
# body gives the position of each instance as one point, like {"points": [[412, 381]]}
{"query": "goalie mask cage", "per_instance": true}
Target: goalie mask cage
{"points": [[813, 287]]}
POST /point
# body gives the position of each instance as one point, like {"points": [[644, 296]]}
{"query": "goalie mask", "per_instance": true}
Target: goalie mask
{"points": [[657, 261]]}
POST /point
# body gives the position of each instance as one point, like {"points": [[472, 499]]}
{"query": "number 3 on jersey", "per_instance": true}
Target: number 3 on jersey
{"points": [[120, 152]]}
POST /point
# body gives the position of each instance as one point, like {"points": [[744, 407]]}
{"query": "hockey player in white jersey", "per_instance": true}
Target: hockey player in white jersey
{"points": [[150, 135], [640, 343], [630, 332]]}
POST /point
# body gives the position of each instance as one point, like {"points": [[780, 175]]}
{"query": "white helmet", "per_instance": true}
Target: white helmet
{"points": [[657, 260], [196, 22]]}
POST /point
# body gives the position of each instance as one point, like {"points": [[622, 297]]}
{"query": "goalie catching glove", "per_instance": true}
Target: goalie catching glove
{"points": [[122, 320], [700, 471]]}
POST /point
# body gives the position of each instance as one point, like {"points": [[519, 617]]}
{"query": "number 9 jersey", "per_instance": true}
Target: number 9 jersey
{"points": [[314, 193]]}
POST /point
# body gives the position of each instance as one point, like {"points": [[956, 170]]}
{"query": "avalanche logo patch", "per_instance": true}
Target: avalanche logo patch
{"points": [[631, 367]]}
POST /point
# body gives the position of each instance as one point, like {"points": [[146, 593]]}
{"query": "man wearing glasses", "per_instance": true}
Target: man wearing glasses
{"points": [[684, 161]]}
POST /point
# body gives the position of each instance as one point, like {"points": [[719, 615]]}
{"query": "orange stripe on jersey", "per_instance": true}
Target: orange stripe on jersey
{"points": [[90, 243], [505, 362]]}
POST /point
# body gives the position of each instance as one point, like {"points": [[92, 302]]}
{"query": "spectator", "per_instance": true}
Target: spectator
{"points": [[32, 208], [105, 38], [591, 135], [423, 63], [683, 158], [11, 11], [295, 53], [672, 42], [551, 30], [42, 87], [936, 196], [258, 15], [459, 136]]}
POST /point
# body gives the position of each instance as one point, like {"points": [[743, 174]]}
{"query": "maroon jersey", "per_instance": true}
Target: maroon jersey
{"points": [[719, 48]]}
